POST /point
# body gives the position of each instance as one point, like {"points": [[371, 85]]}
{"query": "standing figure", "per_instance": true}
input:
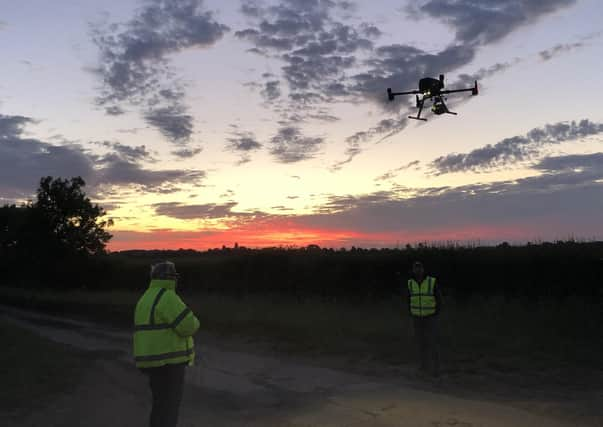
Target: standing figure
{"points": [[163, 342], [425, 301]]}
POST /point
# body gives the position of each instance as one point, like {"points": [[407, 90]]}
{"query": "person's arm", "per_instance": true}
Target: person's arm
{"points": [[176, 313]]}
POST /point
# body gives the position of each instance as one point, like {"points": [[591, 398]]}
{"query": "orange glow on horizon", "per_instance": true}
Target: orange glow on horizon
{"points": [[291, 235]]}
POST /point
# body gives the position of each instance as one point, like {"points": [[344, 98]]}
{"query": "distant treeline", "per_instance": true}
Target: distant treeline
{"points": [[539, 270], [532, 271]]}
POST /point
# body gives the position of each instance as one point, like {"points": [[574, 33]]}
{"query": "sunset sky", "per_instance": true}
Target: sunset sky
{"points": [[201, 123]]}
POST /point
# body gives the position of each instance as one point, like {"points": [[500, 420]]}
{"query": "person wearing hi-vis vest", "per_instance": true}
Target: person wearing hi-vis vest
{"points": [[163, 342], [425, 302]]}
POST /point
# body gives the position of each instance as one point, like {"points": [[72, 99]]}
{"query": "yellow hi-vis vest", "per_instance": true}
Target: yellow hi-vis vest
{"points": [[422, 298], [163, 327]]}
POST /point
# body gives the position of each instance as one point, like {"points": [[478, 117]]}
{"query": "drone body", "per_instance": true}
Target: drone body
{"points": [[431, 88]]}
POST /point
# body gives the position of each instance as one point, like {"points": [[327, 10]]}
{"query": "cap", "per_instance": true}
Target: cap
{"points": [[164, 270]]}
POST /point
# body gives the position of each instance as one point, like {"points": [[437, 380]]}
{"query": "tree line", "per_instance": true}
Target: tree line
{"points": [[59, 241]]}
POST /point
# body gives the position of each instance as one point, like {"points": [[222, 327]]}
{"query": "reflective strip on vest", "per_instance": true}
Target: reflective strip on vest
{"points": [[172, 325], [422, 298], [164, 356], [157, 298]]}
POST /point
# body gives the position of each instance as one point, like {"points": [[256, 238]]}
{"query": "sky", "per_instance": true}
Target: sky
{"points": [[203, 123]]}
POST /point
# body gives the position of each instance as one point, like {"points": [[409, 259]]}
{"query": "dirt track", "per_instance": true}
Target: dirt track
{"points": [[235, 388]]}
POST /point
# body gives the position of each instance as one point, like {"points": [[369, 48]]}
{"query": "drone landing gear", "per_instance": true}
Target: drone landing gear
{"points": [[417, 118], [446, 110], [420, 106]]}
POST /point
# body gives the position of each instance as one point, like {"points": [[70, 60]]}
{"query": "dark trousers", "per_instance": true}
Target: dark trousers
{"points": [[427, 339], [166, 384]]}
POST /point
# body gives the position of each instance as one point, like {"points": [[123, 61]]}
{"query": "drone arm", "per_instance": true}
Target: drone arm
{"points": [[391, 95], [412, 92], [473, 90], [444, 92]]}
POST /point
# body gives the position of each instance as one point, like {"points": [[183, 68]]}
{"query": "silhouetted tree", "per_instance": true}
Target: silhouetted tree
{"points": [[69, 217], [55, 241]]}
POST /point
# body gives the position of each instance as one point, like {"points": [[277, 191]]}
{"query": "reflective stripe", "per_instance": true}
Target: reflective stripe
{"points": [[152, 327], [157, 298], [163, 356], [175, 323], [180, 317]]}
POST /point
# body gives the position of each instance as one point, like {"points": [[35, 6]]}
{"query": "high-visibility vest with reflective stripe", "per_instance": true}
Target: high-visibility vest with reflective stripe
{"points": [[422, 298], [163, 327]]}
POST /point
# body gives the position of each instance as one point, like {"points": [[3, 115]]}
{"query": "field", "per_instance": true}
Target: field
{"points": [[480, 335]]}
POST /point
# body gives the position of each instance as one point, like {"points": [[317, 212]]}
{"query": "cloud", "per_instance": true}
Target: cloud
{"points": [[581, 162], [386, 127], [134, 65], [290, 146], [316, 46], [187, 153], [558, 49], [394, 172], [271, 90], [136, 154], [465, 80], [479, 23], [12, 126], [172, 121], [23, 161], [559, 202], [517, 148], [324, 116], [114, 110], [213, 211], [204, 211], [121, 172], [243, 143]]}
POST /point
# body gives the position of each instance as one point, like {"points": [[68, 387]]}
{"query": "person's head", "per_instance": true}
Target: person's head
{"points": [[165, 270], [417, 269]]}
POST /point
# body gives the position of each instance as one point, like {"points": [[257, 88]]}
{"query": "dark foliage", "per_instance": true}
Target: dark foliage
{"points": [[57, 240], [532, 272]]}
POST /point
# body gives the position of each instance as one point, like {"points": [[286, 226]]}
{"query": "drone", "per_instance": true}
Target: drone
{"points": [[431, 88]]}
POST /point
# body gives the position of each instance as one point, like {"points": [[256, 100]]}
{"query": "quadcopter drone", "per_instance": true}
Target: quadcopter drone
{"points": [[431, 88]]}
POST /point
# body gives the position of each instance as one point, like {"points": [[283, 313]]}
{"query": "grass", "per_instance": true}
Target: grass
{"points": [[34, 369], [493, 334]]}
